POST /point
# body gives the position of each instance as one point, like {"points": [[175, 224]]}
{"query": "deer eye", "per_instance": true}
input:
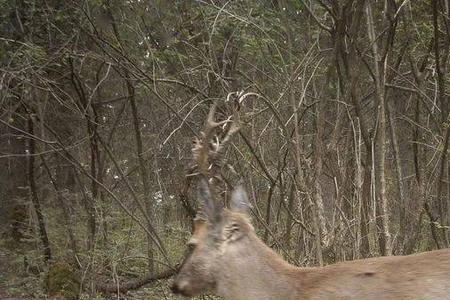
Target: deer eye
{"points": [[191, 246], [189, 249]]}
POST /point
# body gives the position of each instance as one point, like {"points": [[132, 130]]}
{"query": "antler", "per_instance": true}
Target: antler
{"points": [[207, 152], [208, 148]]}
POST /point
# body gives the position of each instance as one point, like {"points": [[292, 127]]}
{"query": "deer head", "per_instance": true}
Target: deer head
{"points": [[218, 233]]}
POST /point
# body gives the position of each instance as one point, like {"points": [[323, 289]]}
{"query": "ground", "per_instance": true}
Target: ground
{"points": [[10, 284], [17, 284]]}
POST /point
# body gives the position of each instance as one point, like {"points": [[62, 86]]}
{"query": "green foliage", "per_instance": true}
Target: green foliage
{"points": [[62, 280]]}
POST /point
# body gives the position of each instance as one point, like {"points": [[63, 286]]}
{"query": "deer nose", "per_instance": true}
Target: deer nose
{"points": [[178, 287], [174, 288]]}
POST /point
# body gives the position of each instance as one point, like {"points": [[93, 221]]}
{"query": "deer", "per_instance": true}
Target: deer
{"points": [[226, 257]]}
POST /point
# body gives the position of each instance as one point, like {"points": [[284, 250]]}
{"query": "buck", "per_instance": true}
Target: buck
{"points": [[227, 257]]}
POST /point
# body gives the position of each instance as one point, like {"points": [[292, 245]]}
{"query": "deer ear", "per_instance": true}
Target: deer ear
{"points": [[209, 208], [239, 200], [199, 231]]}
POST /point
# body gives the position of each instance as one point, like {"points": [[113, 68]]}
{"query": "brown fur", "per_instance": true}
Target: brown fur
{"points": [[231, 260]]}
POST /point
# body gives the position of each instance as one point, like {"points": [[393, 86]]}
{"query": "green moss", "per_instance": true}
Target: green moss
{"points": [[18, 217], [61, 280]]}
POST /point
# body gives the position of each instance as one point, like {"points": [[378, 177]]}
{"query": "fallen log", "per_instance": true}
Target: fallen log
{"points": [[134, 284]]}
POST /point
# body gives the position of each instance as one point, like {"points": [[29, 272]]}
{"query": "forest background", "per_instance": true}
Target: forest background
{"points": [[344, 145]]}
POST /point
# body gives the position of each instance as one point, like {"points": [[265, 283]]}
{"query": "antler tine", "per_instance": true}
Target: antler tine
{"points": [[235, 125], [234, 128], [201, 149], [211, 124], [242, 96]]}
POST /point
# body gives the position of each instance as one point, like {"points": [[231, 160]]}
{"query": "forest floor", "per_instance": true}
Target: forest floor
{"points": [[11, 288], [17, 284]]}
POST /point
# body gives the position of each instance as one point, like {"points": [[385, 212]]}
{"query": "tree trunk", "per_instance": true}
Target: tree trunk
{"points": [[142, 170], [379, 73], [399, 173], [65, 210], [34, 194]]}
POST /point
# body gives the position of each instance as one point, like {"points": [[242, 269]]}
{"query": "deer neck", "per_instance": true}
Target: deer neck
{"points": [[252, 270]]}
